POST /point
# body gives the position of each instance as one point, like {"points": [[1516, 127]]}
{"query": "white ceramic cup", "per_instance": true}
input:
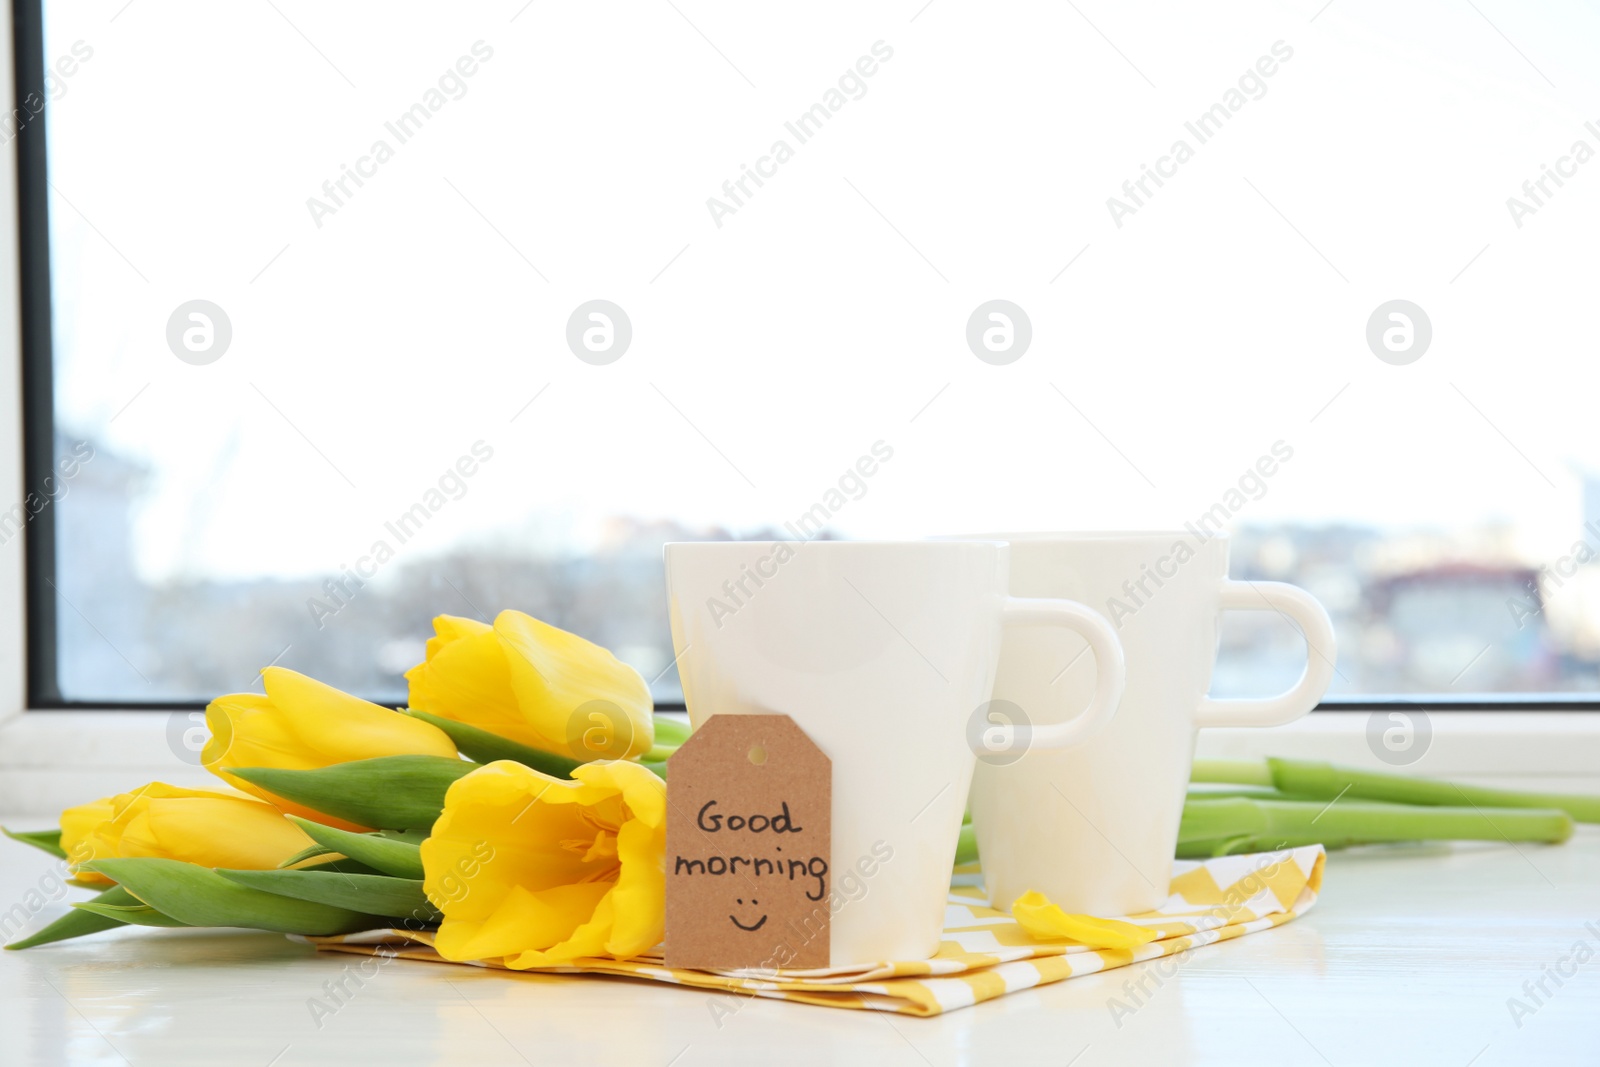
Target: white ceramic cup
{"points": [[882, 652], [1095, 827]]}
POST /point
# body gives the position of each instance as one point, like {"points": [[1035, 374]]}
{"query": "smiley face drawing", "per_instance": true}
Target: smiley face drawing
{"points": [[759, 923]]}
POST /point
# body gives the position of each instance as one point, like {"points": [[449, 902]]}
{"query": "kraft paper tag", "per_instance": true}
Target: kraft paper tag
{"points": [[749, 822]]}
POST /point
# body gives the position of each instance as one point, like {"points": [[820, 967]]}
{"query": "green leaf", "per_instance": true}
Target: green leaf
{"points": [[389, 793], [78, 923], [202, 897], [45, 840], [328, 860], [396, 854], [306, 854], [342, 865], [372, 894], [485, 747], [134, 914]]}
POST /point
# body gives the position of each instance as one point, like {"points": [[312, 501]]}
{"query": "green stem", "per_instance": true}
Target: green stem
{"points": [[1231, 771], [669, 731], [1248, 792], [966, 845], [1253, 820], [1326, 780], [670, 734], [1239, 824]]}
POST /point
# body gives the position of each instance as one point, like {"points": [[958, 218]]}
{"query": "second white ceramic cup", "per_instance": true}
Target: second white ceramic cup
{"points": [[882, 652], [1095, 827]]}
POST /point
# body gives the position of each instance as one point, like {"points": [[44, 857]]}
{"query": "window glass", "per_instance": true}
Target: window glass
{"points": [[365, 313]]}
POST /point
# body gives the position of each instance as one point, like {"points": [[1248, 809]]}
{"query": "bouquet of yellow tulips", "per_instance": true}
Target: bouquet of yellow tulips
{"points": [[516, 806]]}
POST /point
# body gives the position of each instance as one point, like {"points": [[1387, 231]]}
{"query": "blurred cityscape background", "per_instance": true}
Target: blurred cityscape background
{"points": [[1442, 612], [1435, 508]]}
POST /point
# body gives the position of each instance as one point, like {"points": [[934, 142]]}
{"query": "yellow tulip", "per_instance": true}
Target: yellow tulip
{"points": [[532, 683], [77, 831], [538, 871], [194, 825], [302, 724]]}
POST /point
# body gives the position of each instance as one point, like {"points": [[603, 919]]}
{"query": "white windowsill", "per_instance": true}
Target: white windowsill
{"points": [[54, 759]]}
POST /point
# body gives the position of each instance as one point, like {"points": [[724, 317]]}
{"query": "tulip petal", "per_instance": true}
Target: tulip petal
{"points": [[224, 717], [449, 628], [466, 678], [523, 919], [1045, 921], [539, 871], [641, 791], [204, 826], [79, 839], [302, 724], [213, 831], [534, 685], [341, 727], [504, 826], [569, 689], [587, 940], [640, 895], [246, 731]]}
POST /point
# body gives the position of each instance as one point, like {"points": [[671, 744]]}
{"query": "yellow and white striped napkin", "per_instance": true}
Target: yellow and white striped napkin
{"points": [[984, 954]]}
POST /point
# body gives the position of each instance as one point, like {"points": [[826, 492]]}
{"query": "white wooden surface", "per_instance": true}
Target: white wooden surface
{"points": [[1409, 958]]}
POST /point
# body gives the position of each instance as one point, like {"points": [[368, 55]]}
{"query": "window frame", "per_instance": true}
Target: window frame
{"points": [[33, 616], [38, 350]]}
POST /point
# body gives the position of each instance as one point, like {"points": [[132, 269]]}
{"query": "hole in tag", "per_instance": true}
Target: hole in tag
{"points": [[757, 755]]}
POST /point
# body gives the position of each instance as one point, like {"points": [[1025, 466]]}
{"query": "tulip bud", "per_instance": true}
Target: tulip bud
{"points": [[208, 827], [534, 684], [302, 724]]}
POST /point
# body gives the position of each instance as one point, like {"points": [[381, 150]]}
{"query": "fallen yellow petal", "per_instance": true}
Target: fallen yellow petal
{"points": [[1045, 921]]}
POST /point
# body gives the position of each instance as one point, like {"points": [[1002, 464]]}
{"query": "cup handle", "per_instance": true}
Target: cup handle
{"points": [[1304, 611], [1110, 672]]}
